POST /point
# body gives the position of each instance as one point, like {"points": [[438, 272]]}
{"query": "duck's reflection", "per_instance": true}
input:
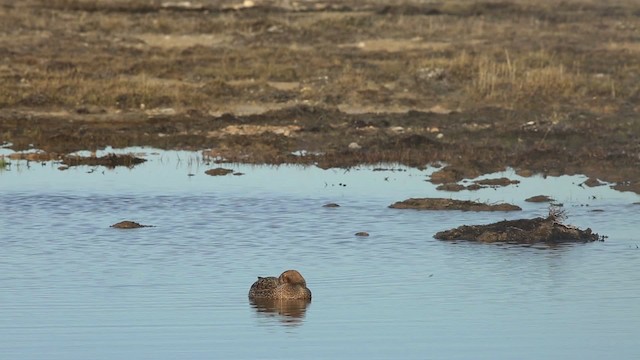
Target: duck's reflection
{"points": [[289, 312]]}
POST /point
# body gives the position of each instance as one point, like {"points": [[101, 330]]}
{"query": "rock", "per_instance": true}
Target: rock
{"points": [[522, 231], [129, 225], [450, 204], [451, 174], [362, 233], [593, 182], [354, 146], [218, 172]]}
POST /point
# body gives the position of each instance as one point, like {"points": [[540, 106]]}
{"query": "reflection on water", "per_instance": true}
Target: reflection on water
{"points": [[71, 287], [288, 312]]}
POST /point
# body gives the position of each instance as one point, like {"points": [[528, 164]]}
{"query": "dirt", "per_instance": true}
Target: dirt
{"points": [[451, 204], [522, 231], [540, 86]]}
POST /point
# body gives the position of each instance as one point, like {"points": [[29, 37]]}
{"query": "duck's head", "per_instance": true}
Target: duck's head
{"points": [[292, 277]]}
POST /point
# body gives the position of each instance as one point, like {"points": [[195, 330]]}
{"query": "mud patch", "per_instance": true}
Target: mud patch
{"points": [[522, 231], [539, 199], [497, 182], [450, 204]]}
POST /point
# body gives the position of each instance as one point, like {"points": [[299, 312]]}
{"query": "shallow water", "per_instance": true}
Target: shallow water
{"points": [[71, 287]]}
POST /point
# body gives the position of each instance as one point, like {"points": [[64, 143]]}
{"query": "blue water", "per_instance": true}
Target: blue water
{"points": [[71, 287]]}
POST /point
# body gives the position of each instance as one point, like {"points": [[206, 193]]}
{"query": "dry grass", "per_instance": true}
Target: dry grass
{"points": [[518, 81], [126, 54]]}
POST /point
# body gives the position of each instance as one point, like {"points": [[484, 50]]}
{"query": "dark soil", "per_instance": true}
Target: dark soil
{"points": [[450, 204]]}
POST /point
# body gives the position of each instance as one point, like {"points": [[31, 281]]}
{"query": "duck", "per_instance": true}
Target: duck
{"points": [[290, 285]]}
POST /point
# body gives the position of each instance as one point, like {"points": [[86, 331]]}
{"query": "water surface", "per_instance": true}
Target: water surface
{"points": [[71, 287]]}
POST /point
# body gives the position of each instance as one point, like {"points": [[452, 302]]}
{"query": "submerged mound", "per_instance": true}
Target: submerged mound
{"points": [[524, 231], [451, 204]]}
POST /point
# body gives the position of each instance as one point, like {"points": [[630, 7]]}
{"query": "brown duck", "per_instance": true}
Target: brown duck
{"points": [[289, 286]]}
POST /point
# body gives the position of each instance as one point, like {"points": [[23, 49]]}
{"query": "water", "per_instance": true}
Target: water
{"points": [[71, 287]]}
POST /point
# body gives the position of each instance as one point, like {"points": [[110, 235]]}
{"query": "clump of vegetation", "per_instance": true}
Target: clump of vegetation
{"points": [[557, 214], [4, 163]]}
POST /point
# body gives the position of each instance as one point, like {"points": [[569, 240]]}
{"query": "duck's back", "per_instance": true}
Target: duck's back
{"points": [[264, 287]]}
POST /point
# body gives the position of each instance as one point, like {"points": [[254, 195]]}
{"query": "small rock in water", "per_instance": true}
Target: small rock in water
{"points": [[218, 172], [331, 205], [362, 233], [128, 225], [593, 182]]}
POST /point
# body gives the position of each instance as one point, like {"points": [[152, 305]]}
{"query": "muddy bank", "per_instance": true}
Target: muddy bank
{"points": [[324, 136], [335, 85], [450, 204], [110, 160], [524, 231]]}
